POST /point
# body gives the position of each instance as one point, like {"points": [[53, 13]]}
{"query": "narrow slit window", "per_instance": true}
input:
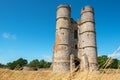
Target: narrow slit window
{"points": [[75, 34], [76, 46]]}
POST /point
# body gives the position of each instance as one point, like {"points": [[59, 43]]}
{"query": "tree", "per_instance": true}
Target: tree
{"points": [[34, 64], [114, 64], [39, 64], [119, 64], [42, 63], [102, 60], [1, 65], [11, 65], [20, 62], [47, 64]]}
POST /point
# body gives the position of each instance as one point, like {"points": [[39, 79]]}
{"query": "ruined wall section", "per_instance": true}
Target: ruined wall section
{"points": [[74, 40], [62, 48], [87, 40]]}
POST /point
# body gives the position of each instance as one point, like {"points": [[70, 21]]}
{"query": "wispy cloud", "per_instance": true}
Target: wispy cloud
{"points": [[115, 56], [116, 53], [8, 35], [47, 57]]}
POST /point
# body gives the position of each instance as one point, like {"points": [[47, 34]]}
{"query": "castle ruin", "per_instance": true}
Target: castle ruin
{"points": [[75, 43]]}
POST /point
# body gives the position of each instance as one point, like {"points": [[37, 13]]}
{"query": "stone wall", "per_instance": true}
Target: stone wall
{"points": [[62, 47], [87, 40], [82, 46]]}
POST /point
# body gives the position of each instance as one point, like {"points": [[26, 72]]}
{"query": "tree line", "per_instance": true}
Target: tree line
{"points": [[114, 64], [20, 63]]}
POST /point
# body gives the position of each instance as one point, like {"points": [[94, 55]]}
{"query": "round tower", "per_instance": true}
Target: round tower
{"points": [[62, 48], [87, 40]]}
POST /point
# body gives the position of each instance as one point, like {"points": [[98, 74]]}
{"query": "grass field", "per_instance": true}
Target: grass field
{"points": [[109, 74]]}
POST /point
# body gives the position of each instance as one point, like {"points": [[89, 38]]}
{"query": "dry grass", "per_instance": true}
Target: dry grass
{"points": [[5, 74], [106, 74]]}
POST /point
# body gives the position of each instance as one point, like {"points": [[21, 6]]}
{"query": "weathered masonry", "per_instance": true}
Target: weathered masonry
{"points": [[75, 44]]}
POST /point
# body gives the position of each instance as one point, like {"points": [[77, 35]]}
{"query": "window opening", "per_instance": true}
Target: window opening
{"points": [[75, 34]]}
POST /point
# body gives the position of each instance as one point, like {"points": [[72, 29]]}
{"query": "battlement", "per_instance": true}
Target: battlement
{"points": [[87, 9], [64, 11], [64, 6]]}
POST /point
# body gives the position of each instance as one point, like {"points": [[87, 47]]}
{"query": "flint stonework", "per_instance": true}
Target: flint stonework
{"points": [[76, 38]]}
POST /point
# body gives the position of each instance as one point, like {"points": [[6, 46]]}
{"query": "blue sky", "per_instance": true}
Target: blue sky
{"points": [[27, 27]]}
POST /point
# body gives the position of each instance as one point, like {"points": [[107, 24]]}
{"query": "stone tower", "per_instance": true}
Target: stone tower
{"points": [[75, 38], [62, 48], [87, 40]]}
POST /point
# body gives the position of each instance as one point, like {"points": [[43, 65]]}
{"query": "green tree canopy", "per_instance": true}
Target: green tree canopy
{"points": [[17, 64], [1, 65], [39, 64], [113, 64], [34, 63], [102, 60]]}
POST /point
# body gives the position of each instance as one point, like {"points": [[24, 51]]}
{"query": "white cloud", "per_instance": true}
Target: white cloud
{"points": [[116, 53], [47, 57], [8, 36], [114, 56]]}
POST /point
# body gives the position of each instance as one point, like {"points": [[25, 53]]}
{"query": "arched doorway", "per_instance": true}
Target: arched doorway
{"points": [[75, 64]]}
